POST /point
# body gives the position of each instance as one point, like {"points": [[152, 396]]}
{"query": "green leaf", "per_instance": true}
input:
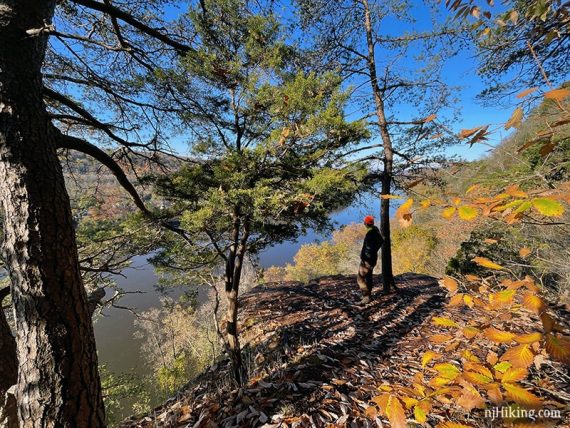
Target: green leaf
{"points": [[525, 206], [503, 366]]}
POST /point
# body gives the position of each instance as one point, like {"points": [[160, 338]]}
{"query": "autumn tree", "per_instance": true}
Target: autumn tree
{"points": [[266, 139], [53, 324], [400, 84]]}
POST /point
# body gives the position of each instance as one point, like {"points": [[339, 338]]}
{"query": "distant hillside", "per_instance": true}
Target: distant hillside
{"points": [[95, 191]]}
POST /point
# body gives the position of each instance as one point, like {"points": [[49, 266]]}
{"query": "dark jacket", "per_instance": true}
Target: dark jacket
{"points": [[372, 243]]}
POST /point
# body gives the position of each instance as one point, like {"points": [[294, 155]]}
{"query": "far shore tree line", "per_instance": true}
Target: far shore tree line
{"points": [[273, 148]]}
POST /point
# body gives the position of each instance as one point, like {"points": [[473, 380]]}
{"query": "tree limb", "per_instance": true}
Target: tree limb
{"points": [[93, 121], [80, 145], [126, 17]]}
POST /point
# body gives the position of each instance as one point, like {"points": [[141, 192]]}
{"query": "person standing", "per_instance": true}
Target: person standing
{"points": [[368, 257]]}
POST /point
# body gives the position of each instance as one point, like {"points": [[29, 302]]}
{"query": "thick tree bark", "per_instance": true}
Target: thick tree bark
{"points": [[8, 369], [387, 273], [58, 381], [234, 267]]}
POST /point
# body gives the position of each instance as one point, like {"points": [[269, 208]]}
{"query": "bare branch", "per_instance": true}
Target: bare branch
{"points": [[126, 17]]}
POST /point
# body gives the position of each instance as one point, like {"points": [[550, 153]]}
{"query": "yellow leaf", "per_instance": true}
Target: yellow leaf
{"points": [[395, 413], [472, 188], [519, 356], [469, 356], [468, 300], [524, 252], [478, 368], [429, 118], [557, 94], [444, 322], [533, 303], [490, 241], [499, 336], [468, 213], [558, 347], [403, 213], [390, 197], [515, 374], [447, 370], [515, 119], [425, 405], [528, 338], [409, 402], [548, 207], [420, 415], [502, 298], [521, 396], [420, 389], [450, 284], [448, 212], [473, 278], [428, 356], [439, 381], [477, 378], [485, 262], [470, 332], [440, 338], [526, 92], [425, 203]]}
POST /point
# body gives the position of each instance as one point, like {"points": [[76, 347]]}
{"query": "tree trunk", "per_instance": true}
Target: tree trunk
{"points": [[58, 382], [8, 370], [387, 273], [233, 276]]}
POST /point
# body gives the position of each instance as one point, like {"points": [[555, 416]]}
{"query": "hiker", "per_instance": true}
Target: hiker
{"points": [[368, 257]]}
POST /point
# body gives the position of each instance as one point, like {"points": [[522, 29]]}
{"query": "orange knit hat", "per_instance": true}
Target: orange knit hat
{"points": [[369, 220]]}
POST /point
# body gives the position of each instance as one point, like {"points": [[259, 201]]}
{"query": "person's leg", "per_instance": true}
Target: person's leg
{"points": [[369, 278], [363, 279]]}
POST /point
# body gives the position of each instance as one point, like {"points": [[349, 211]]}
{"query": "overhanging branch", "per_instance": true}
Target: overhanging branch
{"points": [[126, 17], [74, 143]]}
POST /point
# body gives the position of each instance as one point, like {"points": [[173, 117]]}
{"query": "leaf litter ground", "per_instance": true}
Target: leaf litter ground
{"points": [[316, 359]]}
